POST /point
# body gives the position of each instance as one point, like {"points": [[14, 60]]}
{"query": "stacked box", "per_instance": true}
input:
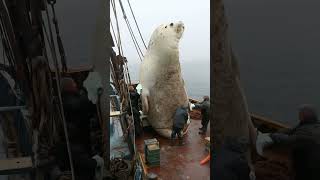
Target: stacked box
{"points": [[153, 155], [152, 152], [149, 142]]}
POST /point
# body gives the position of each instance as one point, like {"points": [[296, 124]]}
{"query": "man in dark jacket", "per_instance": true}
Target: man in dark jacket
{"points": [[78, 112], [304, 142], [180, 119], [78, 109], [135, 97], [205, 112]]}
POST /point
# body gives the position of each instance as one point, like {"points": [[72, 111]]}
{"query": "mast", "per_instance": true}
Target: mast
{"points": [[231, 118], [101, 54], [24, 35]]}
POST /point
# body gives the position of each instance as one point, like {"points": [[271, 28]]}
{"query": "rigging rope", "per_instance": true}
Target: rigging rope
{"points": [[134, 39], [137, 24], [113, 32], [125, 65], [135, 42], [130, 104], [115, 14], [6, 44], [59, 40], [118, 29], [129, 26], [126, 76], [58, 78]]}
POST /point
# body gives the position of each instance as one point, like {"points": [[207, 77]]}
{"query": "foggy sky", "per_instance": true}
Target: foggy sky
{"points": [[77, 23], [195, 44], [277, 45]]}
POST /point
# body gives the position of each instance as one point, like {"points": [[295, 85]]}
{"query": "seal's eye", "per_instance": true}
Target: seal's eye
{"points": [[165, 27], [171, 24]]}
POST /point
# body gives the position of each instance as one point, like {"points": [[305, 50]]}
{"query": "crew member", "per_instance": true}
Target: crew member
{"points": [[135, 97], [205, 111], [304, 144], [180, 119], [78, 112]]}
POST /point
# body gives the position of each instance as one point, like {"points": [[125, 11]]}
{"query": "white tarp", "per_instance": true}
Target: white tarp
{"points": [[92, 84], [139, 88]]}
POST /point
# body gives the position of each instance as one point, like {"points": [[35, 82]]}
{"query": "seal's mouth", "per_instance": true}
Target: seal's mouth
{"points": [[180, 27]]}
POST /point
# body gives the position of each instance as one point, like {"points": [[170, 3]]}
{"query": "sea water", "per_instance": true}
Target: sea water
{"points": [[196, 75]]}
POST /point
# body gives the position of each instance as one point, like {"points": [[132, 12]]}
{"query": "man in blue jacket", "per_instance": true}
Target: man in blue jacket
{"points": [[180, 119]]}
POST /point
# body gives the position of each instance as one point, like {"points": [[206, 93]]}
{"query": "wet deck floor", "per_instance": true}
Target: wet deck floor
{"points": [[180, 162]]}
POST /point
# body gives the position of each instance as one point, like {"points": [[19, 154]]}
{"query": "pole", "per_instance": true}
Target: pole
{"points": [[101, 53]]}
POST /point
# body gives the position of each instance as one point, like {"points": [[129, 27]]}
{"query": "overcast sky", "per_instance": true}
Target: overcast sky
{"points": [[195, 44], [277, 45]]}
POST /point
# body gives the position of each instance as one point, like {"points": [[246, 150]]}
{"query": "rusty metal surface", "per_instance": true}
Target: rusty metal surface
{"points": [[180, 162]]}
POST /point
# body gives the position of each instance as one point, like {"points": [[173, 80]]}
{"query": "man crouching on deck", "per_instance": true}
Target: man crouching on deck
{"points": [[180, 119]]}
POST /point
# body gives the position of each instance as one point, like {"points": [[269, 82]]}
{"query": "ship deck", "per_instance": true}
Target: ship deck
{"points": [[179, 162]]}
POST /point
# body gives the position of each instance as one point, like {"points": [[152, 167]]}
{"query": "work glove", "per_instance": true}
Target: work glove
{"points": [[280, 137], [252, 175], [192, 106], [92, 84], [263, 140], [99, 168]]}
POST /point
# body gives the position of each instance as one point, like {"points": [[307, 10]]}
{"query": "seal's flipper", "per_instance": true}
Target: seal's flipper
{"points": [[164, 132], [145, 104], [145, 101]]}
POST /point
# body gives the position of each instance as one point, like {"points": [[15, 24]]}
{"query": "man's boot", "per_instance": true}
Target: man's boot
{"points": [[181, 143], [171, 142]]}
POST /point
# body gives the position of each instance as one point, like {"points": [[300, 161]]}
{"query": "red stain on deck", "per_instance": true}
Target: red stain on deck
{"points": [[180, 162], [195, 114]]}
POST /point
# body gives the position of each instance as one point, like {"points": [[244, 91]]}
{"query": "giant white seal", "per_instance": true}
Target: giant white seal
{"points": [[163, 88]]}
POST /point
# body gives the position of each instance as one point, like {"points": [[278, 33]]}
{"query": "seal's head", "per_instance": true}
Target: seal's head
{"points": [[167, 34]]}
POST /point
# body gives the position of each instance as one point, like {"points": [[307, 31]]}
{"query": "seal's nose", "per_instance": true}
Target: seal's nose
{"points": [[180, 24]]}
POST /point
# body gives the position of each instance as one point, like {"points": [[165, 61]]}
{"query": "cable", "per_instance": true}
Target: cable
{"points": [[131, 31], [57, 74], [114, 34], [129, 26], [134, 38], [114, 9], [125, 68], [137, 24], [7, 45], [118, 29], [129, 97], [136, 46]]}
